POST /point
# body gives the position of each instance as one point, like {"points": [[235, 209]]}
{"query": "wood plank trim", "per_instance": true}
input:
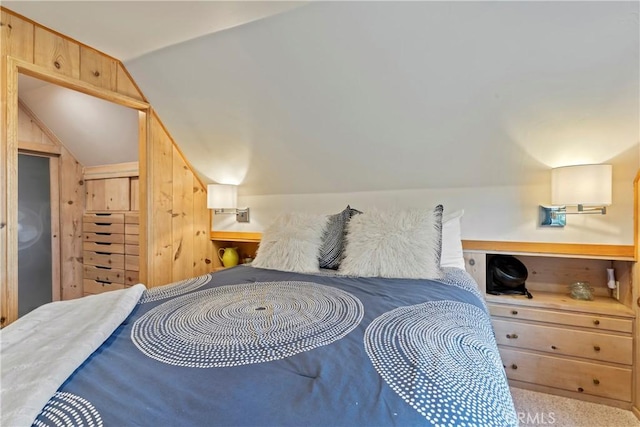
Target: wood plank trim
{"points": [[34, 147], [195, 175], [31, 21], [44, 128], [74, 84], [236, 236], [624, 252], [118, 170]]}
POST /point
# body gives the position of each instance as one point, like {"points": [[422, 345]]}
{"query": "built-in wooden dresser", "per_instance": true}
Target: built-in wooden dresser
{"points": [[110, 251], [556, 344]]}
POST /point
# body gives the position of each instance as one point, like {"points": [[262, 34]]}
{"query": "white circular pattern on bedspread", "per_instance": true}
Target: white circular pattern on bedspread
{"points": [[178, 288], [438, 357], [68, 410], [246, 323]]}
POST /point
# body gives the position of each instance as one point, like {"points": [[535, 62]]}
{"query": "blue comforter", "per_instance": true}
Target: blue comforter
{"points": [[254, 347]]}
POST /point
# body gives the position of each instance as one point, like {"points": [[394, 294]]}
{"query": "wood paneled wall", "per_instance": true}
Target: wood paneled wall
{"points": [[175, 240], [181, 248]]}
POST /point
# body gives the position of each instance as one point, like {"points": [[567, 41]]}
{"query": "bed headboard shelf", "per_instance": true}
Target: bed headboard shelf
{"points": [[568, 250]]}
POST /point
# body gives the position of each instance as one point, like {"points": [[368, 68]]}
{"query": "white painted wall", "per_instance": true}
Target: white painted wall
{"points": [[491, 213]]}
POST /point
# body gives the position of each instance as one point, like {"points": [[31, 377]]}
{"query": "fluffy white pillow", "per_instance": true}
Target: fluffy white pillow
{"points": [[452, 255], [395, 244], [292, 243]]}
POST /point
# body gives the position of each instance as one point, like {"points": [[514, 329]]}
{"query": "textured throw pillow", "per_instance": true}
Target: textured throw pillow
{"points": [[292, 243], [394, 244], [452, 255], [333, 240]]}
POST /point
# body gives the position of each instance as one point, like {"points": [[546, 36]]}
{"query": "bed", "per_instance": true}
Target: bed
{"points": [[252, 346]]}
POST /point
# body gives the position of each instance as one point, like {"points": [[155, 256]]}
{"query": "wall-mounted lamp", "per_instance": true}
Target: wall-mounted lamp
{"points": [[223, 199], [586, 186]]}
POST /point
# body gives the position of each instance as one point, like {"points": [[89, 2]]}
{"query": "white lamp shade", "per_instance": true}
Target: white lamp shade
{"points": [[588, 185], [222, 196]]}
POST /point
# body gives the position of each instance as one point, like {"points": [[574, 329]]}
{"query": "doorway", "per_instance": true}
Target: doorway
{"points": [[37, 283]]}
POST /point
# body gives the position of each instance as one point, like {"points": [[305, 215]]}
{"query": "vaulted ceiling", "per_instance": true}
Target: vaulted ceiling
{"points": [[356, 96]]}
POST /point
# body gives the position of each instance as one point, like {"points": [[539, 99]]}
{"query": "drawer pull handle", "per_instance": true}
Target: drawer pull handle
{"points": [[580, 389], [103, 224], [553, 347], [596, 347], [96, 73], [472, 262], [103, 234], [596, 381], [514, 312], [514, 366], [512, 336], [596, 322]]}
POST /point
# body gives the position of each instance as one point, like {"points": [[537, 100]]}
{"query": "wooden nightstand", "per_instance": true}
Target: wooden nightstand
{"points": [[246, 242], [555, 344]]}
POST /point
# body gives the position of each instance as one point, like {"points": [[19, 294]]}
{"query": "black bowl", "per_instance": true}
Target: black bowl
{"points": [[508, 271]]}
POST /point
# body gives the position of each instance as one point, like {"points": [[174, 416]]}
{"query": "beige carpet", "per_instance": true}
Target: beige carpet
{"points": [[540, 409]]}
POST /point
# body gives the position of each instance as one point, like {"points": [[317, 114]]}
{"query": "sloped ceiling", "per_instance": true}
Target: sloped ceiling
{"points": [[96, 132], [360, 96]]}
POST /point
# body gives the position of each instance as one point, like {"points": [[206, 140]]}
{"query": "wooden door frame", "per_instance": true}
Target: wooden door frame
{"points": [[14, 67]]}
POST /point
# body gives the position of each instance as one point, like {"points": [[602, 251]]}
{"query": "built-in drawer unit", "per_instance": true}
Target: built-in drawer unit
{"points": [[583, 377], [571, 353], [108, 242], [552, 342]]}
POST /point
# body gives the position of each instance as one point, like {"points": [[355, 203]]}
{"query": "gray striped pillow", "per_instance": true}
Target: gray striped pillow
{"points": [[333, 238]]}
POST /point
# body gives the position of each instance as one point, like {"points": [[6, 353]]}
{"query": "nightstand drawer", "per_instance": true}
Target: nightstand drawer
{"points": [[131, 277], [570, 319], [101, 274], [103, 260], [102, 247], [567, 374], [95, 287], [104, 237], [102, 227], [108, 217], [570, 342]]}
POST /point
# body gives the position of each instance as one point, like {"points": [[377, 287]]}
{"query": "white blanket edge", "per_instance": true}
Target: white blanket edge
{"points": [[39, 351]]}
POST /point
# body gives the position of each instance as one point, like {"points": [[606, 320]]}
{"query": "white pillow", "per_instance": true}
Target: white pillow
{"points": [[395, 244], [292, 243], [452, 255]]}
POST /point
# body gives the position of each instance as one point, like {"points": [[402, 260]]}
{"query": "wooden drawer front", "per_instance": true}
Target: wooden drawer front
{"points": [[102, 227], [131, 278], [105, 248], [131, 262], [573, 375], [103, 260], [591, 345], [132, 218], [131, 249], [131, 239], [570, 319], [112, 275], [111, 218], [104, 237], [95, 287], [132, 229]]}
